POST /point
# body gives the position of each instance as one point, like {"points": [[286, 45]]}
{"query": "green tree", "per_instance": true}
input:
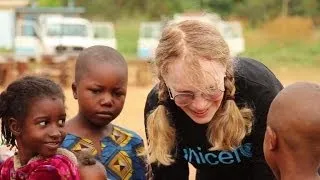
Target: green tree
{"points": [[158, 8], [258, 11], [49, 3], [304, 8], [255, 11], [222, 7]]}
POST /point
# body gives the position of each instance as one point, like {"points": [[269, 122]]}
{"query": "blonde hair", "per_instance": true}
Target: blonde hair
{"points": [[191, 41]]}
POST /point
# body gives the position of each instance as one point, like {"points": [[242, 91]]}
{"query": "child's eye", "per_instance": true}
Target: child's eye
{"points": [[43, 123], [61, 122], [95, 91], [118, 93]]}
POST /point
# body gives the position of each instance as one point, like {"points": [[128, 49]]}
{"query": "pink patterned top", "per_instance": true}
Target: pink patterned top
{"points": [[57, 167]]}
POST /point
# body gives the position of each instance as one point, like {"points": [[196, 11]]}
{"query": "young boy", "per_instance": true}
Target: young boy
{"points": [[89, 167], [100, 86], [292, 138]]}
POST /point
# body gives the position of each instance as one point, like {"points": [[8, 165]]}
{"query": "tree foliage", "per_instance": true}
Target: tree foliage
{"points": [[254, 11]]}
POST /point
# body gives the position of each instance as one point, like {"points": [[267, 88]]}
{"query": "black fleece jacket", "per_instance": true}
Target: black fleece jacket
{"points": [[256, 87]]}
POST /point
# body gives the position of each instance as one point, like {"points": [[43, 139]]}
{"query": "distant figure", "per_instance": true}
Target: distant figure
{"points": [[292, 138], [89, 167], [32, 113], [100, 86]]}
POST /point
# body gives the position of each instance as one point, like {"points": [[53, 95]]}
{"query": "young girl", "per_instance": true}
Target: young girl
{"points": [[208, 109], [32, 112]]}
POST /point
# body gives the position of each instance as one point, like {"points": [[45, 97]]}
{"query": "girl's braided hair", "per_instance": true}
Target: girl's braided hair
{"points": [[16, 100]]}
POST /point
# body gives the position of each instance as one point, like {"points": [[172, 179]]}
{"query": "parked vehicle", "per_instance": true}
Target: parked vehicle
{"points": [[6, 30], [149, 35], [104, 34], [56, 35]]}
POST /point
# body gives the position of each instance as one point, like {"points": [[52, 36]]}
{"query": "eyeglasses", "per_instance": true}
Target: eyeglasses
{"points": [[184, 99]]}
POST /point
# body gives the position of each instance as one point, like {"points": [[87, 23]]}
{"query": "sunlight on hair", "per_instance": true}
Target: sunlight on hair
{"points": [[160, 133]]}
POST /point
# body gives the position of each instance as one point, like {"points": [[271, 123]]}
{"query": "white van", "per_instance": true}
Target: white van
{"points": [[55, 35], [149, 35], [232, 34], [104, 34]]}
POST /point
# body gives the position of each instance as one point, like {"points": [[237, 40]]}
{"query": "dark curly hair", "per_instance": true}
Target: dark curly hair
{"points": [[16, 100], [85, 158]]}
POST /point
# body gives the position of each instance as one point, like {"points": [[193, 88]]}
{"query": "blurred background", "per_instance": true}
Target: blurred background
{"points": [[45, 36], [283, 34]]}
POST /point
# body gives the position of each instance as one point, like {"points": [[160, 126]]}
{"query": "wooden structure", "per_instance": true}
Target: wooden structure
{"points": [[140, 73], [61, 71], [7, 71]]}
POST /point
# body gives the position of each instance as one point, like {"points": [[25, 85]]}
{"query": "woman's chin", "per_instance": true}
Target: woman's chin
{"points": [[201, 120]]}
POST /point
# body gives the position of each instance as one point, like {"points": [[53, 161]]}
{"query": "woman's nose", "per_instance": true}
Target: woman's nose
{"points": [[199, 103]]}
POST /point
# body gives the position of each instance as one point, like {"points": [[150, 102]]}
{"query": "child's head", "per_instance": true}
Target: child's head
{"points": [[100, 85], [32, 112], [293, 127], [89, 167]]}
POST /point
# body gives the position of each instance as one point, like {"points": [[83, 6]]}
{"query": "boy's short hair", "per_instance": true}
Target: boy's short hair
{"points": [[97, 54], [89, 166], [85, 158]]}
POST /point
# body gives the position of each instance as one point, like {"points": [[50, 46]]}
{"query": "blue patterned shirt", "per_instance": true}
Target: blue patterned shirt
{"points": [[119, 153]]}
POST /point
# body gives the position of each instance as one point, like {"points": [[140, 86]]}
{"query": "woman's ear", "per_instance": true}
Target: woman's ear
{"points": [[15, 126], [74, 90]]}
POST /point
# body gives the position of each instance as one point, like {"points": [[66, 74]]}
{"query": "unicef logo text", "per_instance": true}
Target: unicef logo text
{"points": [[216, 157]]}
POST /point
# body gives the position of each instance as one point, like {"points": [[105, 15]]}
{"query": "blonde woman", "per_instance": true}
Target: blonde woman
{"points": [[208, 109]]}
